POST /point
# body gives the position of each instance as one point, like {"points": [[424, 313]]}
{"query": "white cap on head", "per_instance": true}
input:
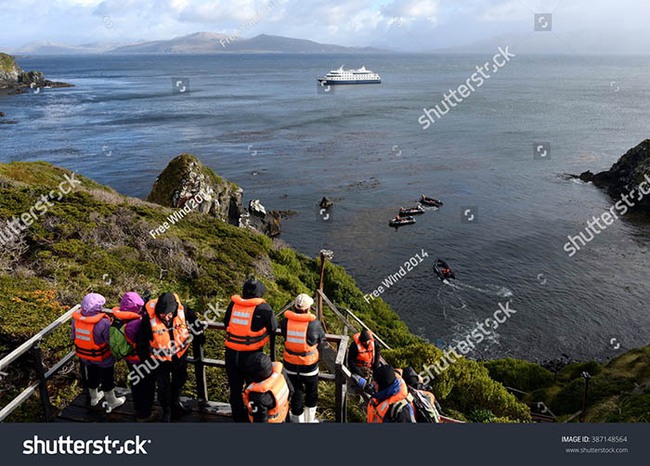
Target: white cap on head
{"points": [[303, 302]]}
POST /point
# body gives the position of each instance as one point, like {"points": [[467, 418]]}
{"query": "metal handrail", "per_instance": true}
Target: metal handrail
{"points": [[33, 344], [22, 349]]}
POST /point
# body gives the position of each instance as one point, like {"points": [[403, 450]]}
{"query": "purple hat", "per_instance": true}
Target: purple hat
{"points": [[131, 302], [93, 302]]}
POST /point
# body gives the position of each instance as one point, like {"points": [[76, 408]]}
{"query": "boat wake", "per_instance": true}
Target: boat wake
{"points": [[490, 290]]}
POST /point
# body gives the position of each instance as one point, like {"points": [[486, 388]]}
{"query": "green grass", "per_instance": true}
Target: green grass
{"points": [[95, 240]]}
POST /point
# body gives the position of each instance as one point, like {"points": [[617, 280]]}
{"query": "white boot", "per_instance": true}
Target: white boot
{"points": [[297, 419], [310, 415], [112, 401], [95, 396]]}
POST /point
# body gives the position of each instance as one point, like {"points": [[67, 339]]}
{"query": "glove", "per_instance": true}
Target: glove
{"points": [[361, 382]]}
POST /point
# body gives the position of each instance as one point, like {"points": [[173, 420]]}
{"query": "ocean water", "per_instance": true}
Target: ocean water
{"points": [[260, 121]]}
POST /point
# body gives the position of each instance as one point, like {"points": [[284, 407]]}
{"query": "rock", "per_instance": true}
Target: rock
{"points": [[14, 78], [257, 218], [587, 176], [625, 175], [186, 177], [325, 203]]}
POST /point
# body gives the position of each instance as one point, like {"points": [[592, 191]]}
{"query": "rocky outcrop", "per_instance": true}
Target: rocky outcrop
{"points": [[257, 218], [186, 178], [625, 175], [14, 78]]}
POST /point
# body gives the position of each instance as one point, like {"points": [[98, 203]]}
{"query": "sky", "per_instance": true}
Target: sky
{"points": [[613, 26]]}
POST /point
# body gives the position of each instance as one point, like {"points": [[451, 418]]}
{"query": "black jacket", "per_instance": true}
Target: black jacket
{"points": [[315, 336], [262, 403], [353, 352], [263, 318]]}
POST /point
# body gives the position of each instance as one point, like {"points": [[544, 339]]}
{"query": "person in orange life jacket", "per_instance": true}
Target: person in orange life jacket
{"points": [[90, 334], [414, 381], [363, 354], [302, 333], [164, 339], [250, 325], [267, 396], [131, 311], [391, 401]]}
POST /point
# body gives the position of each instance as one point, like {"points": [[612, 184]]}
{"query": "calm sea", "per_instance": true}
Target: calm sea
{"points": [[259, 121]]}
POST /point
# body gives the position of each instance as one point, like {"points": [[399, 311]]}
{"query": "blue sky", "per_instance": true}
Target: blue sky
{"points": [[617, 25]]}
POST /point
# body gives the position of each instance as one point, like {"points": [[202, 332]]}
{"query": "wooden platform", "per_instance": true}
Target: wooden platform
{"points": [[80, 411]]}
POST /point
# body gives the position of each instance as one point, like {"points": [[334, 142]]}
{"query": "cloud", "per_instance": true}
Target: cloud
{"points": [[404, 24]]}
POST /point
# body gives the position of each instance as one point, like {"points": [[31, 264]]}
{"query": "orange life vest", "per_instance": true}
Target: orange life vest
{"points": [[162, 347], [377, 409], [239, 335], [366, 355], [296, 349], [277, 385], [126, 316], [84, 339]]}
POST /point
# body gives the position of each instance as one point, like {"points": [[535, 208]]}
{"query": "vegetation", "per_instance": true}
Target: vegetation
{"points": [[7, 63], [95, 240], [619, 390]]}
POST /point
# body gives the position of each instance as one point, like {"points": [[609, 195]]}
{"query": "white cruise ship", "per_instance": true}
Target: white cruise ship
{"points": [[343, 76]]}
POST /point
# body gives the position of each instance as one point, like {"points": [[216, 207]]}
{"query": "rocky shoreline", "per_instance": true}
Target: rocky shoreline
{"points": [[625, 176], [14, 80]]}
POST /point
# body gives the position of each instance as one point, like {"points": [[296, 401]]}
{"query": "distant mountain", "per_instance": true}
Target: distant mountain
{"points": [[54, 48], [205, 42]]}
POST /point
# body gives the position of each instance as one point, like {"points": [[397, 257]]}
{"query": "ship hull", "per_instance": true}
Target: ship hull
{"points": [[336, 83]]}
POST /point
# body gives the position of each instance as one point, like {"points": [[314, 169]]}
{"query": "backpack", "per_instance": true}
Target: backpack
{"points": [[425, 410], [120, 347], [396, 407]]}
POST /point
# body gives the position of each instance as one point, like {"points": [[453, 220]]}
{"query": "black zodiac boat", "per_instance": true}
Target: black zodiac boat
{"points": [[400, 221], [429, 201], [412, 210], [442, 269]]}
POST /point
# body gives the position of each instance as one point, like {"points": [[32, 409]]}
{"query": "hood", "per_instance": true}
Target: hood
{"points": [[388, 392], [258, 367], [411, 377], [166, 303], [131, 302], [92, 304], [253, 289]]}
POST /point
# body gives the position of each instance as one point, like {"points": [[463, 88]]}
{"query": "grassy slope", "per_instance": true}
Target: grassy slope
{"points": [[7, 63], [618, 392], [97, 240]]}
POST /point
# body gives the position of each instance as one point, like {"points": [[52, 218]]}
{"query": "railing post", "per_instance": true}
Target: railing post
{"points": [[340, 397], [199, 371], [341, 382], [42, 386]]}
